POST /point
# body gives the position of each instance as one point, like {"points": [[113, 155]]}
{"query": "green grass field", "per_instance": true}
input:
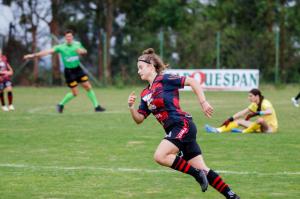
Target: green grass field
{"points": [[82, 154]]}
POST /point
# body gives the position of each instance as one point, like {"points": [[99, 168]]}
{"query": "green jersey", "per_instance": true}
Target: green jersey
{"points": [[68, 53]]}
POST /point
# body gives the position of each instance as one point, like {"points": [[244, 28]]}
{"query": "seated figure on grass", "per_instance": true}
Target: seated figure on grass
{"points": [[266, 121]]}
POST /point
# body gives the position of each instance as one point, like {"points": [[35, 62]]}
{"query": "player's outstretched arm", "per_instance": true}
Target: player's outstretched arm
{"points": [[206, 107], [136, 116], [39, 54]]}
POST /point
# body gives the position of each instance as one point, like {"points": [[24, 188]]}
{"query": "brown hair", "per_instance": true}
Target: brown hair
{"points": [[261, 97], [150, 57], [69, 31]]}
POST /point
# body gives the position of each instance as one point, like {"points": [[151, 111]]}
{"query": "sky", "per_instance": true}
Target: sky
{"points": [[6, 16]]}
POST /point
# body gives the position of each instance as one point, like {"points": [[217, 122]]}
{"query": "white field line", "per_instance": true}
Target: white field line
{"points": [[48, 110], [136, 170], [41, 109]]}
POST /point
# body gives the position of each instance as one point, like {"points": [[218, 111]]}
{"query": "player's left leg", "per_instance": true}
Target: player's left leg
{"points": [[8, 89], [213, 178], [3, 106], [91, 95], [258, 126], [297, 97], [234, 124], [225, 129], [295, 100]]}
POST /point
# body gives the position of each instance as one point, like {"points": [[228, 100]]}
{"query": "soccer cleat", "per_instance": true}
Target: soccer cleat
{"points": [[99, 109], [202, 180], [11, 107], [234, 197], [4, 108], [59, 108], [295, 102], [210, 129]]}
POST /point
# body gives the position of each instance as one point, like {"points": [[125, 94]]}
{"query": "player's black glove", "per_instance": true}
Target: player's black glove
{"points": [[226, 122]]}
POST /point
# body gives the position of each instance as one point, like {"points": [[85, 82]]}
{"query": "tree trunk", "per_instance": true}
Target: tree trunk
{"points": [[270, 15], [100, 57], [36, 60], [282, 42], [54, 29], [109, 23], [98, 23]]}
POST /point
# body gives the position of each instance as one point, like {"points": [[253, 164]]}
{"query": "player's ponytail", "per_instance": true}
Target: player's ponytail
{"points": [[150, 57], [261, 97]]}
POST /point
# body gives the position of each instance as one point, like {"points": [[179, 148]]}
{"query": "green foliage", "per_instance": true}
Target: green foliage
{"points": [[247, 31]]}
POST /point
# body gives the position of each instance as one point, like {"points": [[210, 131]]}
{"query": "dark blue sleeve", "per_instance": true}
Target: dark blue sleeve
{"points": [[143, 109], [172, 82]]}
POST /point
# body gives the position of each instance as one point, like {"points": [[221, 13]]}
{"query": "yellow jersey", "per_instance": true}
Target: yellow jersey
{"points": [[271, 119]]}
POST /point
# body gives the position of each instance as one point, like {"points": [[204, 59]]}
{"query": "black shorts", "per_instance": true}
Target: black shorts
{"points": [[74, 76], [4, 84], [183, 135]]}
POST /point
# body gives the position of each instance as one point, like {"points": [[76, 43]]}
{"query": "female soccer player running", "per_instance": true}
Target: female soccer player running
{"points": [[70, 52], [261, 107], [6, 72], [161, 98]]}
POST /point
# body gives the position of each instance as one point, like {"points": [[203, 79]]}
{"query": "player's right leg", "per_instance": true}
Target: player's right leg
{"points": [[70, 77], [3, 106], [295, 102], [165, 155], [68, 97]]}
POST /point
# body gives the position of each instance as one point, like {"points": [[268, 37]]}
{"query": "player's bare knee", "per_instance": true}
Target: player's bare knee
{"points": [[159, 157], [260, 120], [75, 93], [239, 121]]}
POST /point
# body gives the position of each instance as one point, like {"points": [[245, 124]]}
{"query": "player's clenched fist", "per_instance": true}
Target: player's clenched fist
{"points": [[131, 99]]}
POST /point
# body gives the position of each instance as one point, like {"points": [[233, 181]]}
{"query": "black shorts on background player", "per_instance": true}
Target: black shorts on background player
{"points": [[74, 76]]}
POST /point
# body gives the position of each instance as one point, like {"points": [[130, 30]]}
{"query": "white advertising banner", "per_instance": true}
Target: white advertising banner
{"points": [[221, 79]]}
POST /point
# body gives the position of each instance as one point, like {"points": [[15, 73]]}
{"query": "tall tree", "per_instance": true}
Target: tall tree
{"points": [[32, 12], [109, 28], [54, 30]]}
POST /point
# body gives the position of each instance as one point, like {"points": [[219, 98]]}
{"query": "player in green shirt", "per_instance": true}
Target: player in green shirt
{"points": [[70, 52]]}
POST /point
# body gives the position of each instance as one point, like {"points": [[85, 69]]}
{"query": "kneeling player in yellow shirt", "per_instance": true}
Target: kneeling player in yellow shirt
{"points": [[265, 123]]}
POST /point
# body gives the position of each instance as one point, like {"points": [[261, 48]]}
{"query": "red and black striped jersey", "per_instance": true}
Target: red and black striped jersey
{"points": [[4, 67], [162, 100]]}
